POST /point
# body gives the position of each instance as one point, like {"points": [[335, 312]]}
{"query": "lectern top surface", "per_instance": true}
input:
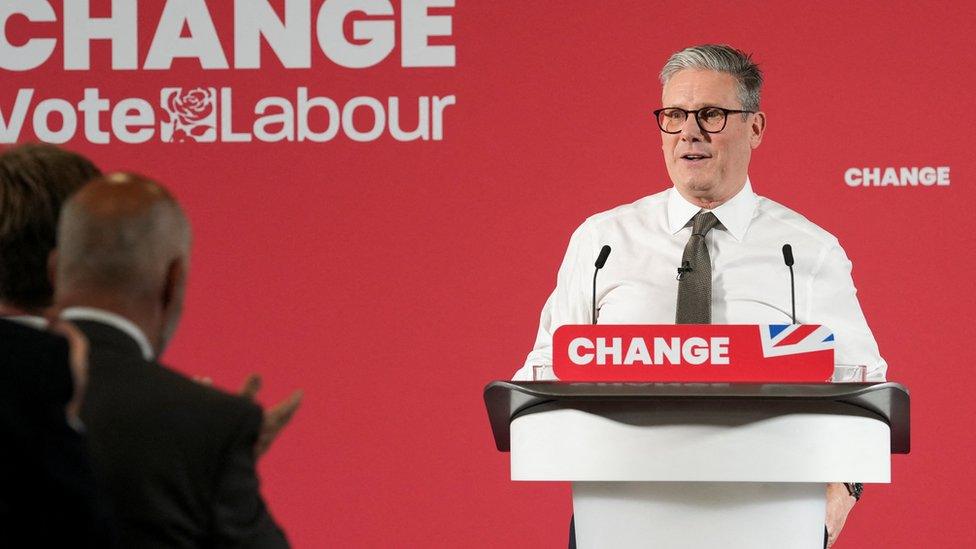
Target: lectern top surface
{"points": [[506, 400]]}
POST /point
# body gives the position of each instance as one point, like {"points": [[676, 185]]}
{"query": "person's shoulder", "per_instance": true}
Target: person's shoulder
{"points": [[205, 399], [207, 415], [789, 222], [178, 404], [28, 335], [34, 361], [119, 369], [25, 344], [642, 208]]}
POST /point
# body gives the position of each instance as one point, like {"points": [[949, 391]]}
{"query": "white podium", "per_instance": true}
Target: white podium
{"points": [[699, 465]]}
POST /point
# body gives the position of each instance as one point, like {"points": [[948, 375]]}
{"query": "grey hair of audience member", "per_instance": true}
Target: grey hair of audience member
{"points": [[121, 235], [720, 58]]}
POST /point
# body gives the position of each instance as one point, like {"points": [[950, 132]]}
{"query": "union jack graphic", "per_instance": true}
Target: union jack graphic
{"points": [[792, 339]]}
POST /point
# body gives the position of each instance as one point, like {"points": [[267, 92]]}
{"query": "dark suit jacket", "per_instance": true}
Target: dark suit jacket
{"points": [[176, 457], [47, 490]]}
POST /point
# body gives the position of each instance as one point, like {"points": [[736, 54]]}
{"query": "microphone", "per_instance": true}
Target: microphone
{"points": [[788, 259], [601, 260]]}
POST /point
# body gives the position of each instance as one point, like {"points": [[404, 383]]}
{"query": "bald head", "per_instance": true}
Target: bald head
{"points": [[123, 245]]}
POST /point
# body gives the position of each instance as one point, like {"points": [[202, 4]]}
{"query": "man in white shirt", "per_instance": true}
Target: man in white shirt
{"points": [[710, 124]]}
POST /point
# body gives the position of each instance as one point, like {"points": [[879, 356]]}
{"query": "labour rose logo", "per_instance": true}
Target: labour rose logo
{"points": [[192, 115]]}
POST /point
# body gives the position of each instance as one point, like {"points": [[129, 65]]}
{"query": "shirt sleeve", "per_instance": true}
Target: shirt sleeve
{"points": [[569, 303], [833, 303]]}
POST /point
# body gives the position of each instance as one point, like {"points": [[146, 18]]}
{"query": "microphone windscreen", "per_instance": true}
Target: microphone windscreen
{"points": [[788, 255], [602, 258]]}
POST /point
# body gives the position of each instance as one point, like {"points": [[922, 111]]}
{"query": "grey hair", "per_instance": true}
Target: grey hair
{"points": [[121, 244], [720, 58]]}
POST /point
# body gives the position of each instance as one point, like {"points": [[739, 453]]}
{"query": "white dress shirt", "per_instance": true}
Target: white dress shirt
{"points": [[750, 281]]}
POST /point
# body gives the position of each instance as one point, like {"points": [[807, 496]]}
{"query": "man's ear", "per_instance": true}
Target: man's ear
{"points": [[175, 273], [757, 129]]}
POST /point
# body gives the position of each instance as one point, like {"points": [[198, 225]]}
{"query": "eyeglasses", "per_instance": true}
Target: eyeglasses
{"points": [[710, 119]]}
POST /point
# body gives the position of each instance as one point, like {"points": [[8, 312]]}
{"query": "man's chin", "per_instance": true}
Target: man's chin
{"points": [[696, 187]]}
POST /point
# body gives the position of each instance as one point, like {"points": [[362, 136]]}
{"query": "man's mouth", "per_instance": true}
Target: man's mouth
{"points": [[695, 157]]}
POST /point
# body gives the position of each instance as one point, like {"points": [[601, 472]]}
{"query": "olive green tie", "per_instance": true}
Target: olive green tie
{"points": [[695, 280]]}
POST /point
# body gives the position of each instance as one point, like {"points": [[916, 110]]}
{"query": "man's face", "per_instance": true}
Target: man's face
{"points": [[709, 168]]}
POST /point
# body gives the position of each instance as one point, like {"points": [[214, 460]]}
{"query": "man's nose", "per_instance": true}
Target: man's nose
{"points": [[690, 130]]}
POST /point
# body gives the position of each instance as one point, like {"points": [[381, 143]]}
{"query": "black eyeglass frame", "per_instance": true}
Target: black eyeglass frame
{"points": [[697, 112]]}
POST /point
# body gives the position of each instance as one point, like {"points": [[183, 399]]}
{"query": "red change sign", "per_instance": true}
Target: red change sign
{"points": [[800, 353]]}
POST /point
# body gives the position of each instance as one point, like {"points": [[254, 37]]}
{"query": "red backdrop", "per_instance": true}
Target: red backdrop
{"points": [[392, 280]]}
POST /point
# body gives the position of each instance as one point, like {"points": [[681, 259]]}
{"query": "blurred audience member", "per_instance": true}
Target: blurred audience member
{"points": [[177, 457], [34, 181], [48, 496], [45, 475]]}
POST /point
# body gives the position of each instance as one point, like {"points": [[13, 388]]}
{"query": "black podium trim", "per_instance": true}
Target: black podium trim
{"points": [[505, 400]]}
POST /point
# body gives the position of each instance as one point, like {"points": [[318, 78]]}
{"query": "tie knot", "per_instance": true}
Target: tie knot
{"points": [[703, 222]]}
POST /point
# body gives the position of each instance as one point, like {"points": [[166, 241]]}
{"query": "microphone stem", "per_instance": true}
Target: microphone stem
{"points": [[594, 294], [793, 294]]}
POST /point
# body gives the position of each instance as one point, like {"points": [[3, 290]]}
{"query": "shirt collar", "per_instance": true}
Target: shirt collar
{"points": [[38, 322], [735, 214], [113, 320]]}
